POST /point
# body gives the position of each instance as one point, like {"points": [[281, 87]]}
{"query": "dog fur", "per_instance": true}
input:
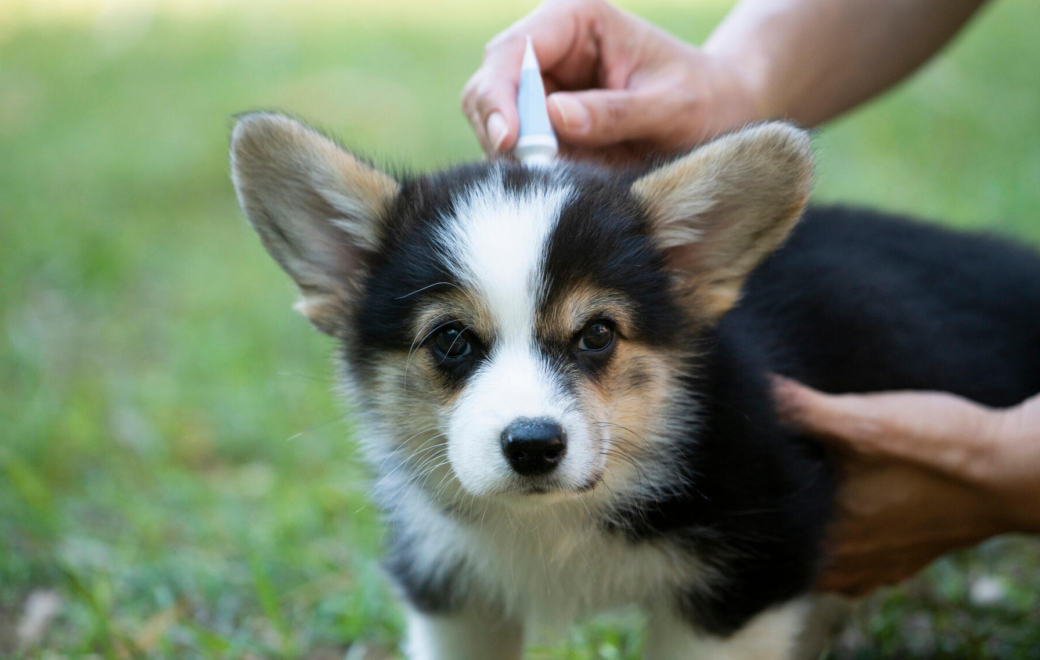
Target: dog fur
{"points": [[679, 491]]}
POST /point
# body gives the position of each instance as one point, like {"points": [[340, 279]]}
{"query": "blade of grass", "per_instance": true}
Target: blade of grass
{"points": [[268, 596], [30, 488]]}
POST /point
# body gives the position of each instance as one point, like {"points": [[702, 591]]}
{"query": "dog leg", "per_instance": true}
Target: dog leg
{"points": [[772, 635], [668, 637], [466, 635], [827, 616]]}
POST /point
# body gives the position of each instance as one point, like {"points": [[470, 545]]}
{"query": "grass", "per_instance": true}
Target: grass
{"points": [[172, 463]]}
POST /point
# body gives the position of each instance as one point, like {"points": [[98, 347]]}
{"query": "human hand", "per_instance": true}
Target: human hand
{"points": [[921, 474], [618, 86]]}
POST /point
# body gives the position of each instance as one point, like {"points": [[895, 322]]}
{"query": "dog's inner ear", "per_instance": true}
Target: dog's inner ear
{"points": [[316, 208], [720, 210]]}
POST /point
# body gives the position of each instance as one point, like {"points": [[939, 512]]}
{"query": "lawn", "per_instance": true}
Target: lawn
{"points": [[176, 479]]}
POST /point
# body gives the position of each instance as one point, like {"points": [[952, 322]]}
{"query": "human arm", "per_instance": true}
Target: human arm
{"points": [[620, 85], [922, 473], [811, 60]]}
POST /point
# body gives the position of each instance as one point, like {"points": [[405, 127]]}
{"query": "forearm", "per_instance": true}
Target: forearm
{"points": [[811, 60], [1012, 474]]}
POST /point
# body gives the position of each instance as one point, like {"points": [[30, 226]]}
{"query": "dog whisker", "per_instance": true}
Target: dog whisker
{"points": [[428, 286]]}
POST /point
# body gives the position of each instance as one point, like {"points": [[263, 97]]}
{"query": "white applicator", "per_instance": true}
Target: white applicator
{"points": [[537, 143]]}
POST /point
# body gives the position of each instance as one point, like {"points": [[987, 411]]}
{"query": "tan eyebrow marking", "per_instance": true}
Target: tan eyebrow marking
{"points": [[458, 305], [580, 305]]}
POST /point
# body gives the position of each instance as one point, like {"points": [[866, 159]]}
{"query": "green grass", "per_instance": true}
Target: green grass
{"points": [[171, 459]]}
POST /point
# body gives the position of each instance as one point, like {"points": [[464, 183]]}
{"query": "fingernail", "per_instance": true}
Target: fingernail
{"points": [[575, 116], [497, 129]]}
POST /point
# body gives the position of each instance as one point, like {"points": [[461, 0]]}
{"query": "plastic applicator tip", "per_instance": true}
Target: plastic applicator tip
{"points": [[536, 144]]}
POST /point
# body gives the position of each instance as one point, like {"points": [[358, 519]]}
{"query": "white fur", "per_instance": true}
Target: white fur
{"points": [[536, 562], [471, 635], [544, 559], [772, 635], [515, 382], [512, 563], [547, 566], [496, 243]]}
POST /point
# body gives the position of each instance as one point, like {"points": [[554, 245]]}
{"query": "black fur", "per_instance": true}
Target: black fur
{"points": [[603, 238], [431, 592], [853, 302]]}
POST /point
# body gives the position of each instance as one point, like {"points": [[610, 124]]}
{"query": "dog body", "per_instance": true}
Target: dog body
{"points": [[566, 408]]}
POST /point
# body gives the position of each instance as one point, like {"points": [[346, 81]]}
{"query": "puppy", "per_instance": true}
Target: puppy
{"points": [[561, 373]]}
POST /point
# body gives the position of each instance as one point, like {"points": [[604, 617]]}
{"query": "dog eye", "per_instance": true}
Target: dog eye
{"points": [[596, 337], [452, 343]]}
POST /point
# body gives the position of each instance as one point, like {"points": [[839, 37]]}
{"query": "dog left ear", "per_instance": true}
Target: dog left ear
{"points": [[720, 210], [318, 209]]}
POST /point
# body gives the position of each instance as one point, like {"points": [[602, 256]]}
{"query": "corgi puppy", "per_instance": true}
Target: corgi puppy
{"points": [[561, 373]]}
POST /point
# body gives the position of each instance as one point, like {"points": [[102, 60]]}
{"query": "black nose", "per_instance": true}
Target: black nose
{"points": [[534, 446]]}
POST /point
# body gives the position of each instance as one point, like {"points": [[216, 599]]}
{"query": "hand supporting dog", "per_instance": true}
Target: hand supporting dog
{"points": [[924, 473]]}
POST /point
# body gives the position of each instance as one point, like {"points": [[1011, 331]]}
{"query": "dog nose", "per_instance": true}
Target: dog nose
{"points": [[534, 446]]}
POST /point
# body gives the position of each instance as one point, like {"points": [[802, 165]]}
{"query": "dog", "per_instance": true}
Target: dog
{"points": [[562, 373]]}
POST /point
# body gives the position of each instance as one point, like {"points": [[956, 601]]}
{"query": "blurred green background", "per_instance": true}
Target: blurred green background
{"points": [[176, 479]]}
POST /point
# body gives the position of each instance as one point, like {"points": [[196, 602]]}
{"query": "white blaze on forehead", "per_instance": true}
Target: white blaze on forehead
{"points": [[496, 243]]}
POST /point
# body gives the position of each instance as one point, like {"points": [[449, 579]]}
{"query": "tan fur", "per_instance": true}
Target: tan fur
{"points": [[456, 304], [720, 210], [316, 208], [578, 306], [627, 401], [536, 556], [410, 399], [635, 392]]}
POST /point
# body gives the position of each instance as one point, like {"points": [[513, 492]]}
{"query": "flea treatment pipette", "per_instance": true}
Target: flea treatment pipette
{"points": [[537, 143]]}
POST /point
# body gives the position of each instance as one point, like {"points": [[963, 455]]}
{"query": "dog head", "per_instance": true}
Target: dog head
{"points": [[511, 332]]}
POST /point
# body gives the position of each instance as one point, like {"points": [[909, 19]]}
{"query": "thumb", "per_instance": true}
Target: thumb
{"points": [[602, 117]]}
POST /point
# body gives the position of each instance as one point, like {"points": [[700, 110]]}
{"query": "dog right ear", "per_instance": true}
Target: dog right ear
{"points": [[316, 208], [717, 212]]}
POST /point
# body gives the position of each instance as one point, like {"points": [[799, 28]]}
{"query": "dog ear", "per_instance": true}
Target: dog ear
{"points": [[720, 210], [316, 208]]}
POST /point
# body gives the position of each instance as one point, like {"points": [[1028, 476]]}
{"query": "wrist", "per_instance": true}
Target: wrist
{"points": [[1011, 477], [744, 41], [750, 71]]}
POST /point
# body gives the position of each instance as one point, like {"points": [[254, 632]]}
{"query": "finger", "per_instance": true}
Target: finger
{"points": [[936, 430], [1023, 420], [852, 576], [478, 129], [857, 584], [490, 96], [469, 109], [854, 585], [603, 117], [817, 414], [558, 30], [492, 114], [857, 574]]}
